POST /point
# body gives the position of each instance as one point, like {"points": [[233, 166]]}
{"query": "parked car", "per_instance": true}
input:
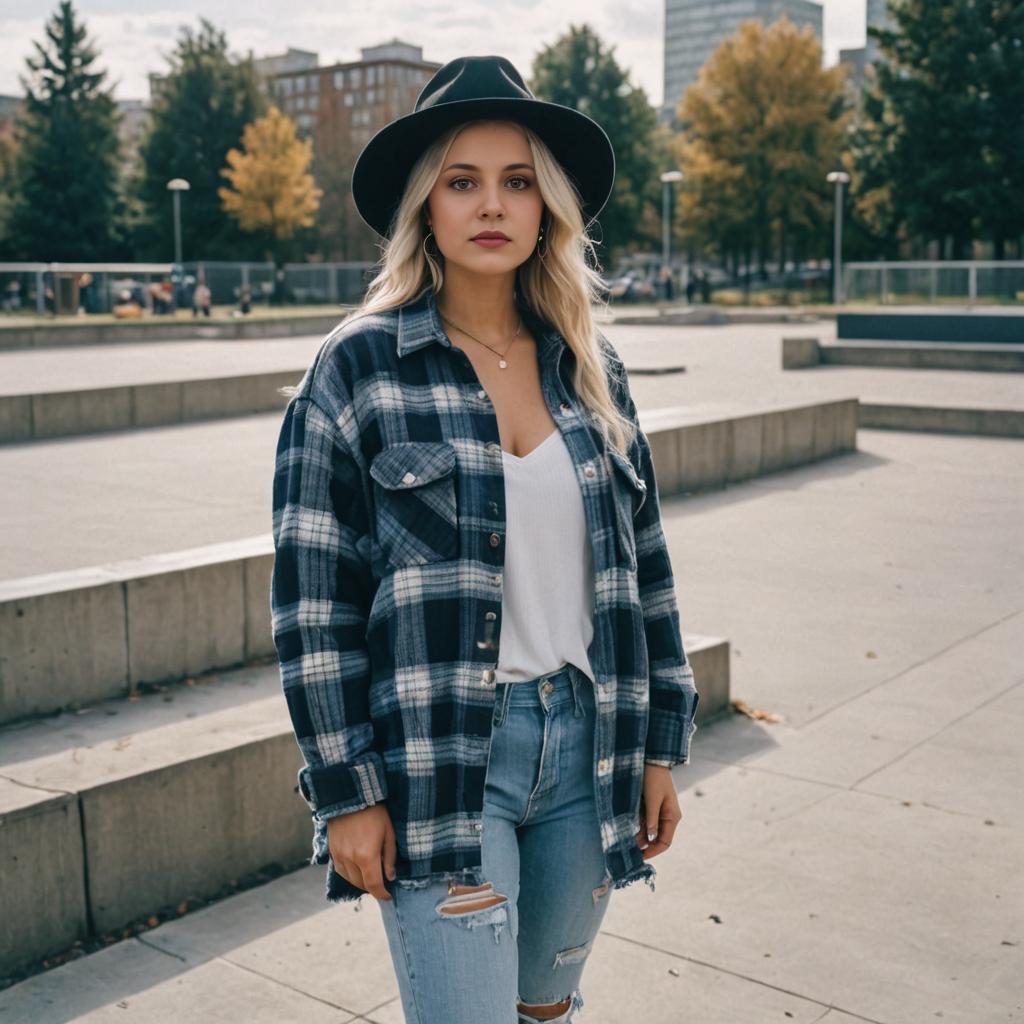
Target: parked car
{"points": [[630, 288]]}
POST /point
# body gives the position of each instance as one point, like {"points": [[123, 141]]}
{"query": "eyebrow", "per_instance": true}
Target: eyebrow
{"points": [[473, 167]]}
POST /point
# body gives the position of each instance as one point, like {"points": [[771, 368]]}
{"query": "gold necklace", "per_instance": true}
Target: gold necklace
{"points": [[502, 362]]}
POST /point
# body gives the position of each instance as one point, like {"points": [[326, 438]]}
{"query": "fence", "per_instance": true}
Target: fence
{"points": [[65, 288], [934, 282]]}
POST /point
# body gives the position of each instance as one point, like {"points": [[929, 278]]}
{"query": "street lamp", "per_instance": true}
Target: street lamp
{"points": [[666, 179], [839, 178], [177, 186]]}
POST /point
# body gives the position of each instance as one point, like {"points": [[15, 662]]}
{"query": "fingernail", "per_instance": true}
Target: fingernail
{"points": [[651, 836]]}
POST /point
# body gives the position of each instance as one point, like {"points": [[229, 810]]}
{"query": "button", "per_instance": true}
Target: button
{"points": [[495, 540], [493, 506], [408, 478], [493, 447], [496, 579], [589, 470], [565, 407], [488, 677], [603, 765], [477, 825], [481, 393], [491, 616], [548, 687]]}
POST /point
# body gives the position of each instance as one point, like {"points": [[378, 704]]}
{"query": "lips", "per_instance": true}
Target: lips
{"points": [[490, 236]]}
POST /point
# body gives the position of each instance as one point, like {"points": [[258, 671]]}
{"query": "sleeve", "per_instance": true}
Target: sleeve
{"points": [[321, 592], [673, 693]]}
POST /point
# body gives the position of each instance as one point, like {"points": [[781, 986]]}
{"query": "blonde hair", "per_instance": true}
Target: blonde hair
{"points": [[559, 286]]}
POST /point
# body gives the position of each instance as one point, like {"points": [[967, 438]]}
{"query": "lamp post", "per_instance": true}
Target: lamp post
{"points": [[839, 179], [176, 186], [667, 178]]}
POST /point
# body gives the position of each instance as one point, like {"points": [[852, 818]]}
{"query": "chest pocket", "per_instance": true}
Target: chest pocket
{"points": [[416, 512], [629, 491]]}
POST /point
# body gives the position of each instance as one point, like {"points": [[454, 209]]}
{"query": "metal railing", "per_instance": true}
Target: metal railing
{"points": [[934, 282]]}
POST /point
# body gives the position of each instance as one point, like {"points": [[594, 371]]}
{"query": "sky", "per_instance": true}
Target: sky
{"points": [[134, 35]]}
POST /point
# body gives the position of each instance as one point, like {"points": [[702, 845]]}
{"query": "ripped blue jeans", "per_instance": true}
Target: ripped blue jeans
{"points": [[466, 954]]}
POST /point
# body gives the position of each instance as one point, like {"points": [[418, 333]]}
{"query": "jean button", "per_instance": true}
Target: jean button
{"points": [[548, 687]]}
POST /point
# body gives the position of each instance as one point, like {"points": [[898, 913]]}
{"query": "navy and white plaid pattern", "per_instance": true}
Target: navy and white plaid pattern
{"points": [[389, 529]]}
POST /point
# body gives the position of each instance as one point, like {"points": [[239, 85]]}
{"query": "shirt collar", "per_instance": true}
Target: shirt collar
{"points": [[419, 324]]}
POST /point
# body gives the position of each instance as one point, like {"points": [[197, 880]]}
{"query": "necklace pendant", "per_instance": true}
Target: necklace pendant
{"points": [[502, 363]]}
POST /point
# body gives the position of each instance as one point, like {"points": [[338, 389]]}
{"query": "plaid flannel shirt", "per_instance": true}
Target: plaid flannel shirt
{"points": [[386, 597]]}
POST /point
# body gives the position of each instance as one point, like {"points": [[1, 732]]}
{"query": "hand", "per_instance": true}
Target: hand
{"points": [[659, 810], [360, 843]]}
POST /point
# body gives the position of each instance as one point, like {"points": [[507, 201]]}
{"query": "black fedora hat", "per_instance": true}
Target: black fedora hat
{"points": [[466, 89]]}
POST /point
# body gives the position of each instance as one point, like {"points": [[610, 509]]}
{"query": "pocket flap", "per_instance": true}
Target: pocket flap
{"points": [[412, 464]]}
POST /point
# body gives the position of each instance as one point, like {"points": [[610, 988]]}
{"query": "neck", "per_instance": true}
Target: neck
{"points": [[483, 305]]}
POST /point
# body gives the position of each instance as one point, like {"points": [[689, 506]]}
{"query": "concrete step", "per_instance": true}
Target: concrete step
{"points": [[129, 807], [942, 419], [798, 353], [130, 331], [69, 639]]}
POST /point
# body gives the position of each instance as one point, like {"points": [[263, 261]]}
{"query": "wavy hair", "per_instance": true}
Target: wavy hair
{"points": [[559, 285]]}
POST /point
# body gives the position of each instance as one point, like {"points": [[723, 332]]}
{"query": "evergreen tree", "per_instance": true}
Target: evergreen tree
{"points": [[942, 144], [65, 200], [204, 105], [578, 71]]}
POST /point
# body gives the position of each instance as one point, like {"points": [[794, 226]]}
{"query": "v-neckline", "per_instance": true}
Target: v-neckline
{"points": [[533, 451]]}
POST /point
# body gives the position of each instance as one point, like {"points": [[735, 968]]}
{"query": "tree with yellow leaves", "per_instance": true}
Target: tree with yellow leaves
{"points": [[271, 189], [763, 125]]}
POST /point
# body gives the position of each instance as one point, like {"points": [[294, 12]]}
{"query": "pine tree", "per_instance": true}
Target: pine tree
{"points": [[580, 72], [942, 144], [272, 192], [65, 201], [205, 103]]}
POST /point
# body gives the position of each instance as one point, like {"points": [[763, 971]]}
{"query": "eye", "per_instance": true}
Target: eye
{"points": [[515, 177]]}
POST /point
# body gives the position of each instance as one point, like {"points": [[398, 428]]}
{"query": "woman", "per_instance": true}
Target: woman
{"points": [[473, 602]]}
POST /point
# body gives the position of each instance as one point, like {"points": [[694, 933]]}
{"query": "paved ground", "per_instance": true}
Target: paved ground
{"points": [[88, 500], [859, 860]]}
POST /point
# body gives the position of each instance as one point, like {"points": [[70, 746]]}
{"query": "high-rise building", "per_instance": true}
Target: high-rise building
{"points": [[859, 58], [695, 28]]}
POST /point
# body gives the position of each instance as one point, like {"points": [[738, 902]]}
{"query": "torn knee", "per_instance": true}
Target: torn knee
{"points": [[462, 899], [554, 1013], [545, 1011]]}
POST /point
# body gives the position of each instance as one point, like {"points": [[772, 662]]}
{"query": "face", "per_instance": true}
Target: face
{"points": [[487, 184]]}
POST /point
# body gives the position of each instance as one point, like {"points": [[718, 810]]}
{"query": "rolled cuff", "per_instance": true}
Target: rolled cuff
{"points": [[344, 788]]}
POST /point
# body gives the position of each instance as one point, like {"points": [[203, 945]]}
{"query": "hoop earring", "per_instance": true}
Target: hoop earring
{"points": [[541, 252], [432, 256]]}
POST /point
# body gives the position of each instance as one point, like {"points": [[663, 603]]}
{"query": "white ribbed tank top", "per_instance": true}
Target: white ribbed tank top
{"points": [[548, 594]]}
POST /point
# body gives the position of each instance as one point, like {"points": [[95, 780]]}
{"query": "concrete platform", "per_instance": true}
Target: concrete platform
{"points": [[982, 324], [856, 861]]}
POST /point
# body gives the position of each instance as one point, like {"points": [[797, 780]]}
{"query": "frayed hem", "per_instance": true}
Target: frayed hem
{"points": [[646, 873]]}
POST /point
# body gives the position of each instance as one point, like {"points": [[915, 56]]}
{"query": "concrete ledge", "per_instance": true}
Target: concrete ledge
{"points": [[123, 823], [71, 639], [802, 352], [88, 411], [940, 420], [963, 325], [184, 330]]}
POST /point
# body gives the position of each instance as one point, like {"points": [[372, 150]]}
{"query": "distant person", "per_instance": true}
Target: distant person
{"points": [[244, 301], [201, 300], [12, 296], [691, 288], [705, 287]]}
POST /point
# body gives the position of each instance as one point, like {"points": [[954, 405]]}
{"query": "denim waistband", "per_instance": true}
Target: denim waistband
{"points": [[548, 690]]}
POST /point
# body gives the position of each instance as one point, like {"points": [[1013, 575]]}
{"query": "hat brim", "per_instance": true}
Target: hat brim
{"points": [[576, 141]]}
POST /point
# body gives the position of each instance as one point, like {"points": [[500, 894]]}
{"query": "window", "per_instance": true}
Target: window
{"points": [[371, 96], [371, 76], [339, 79], [356, 74], [311, 83], [349, 99], [300, 103], [314, 101], [285, 85]]}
